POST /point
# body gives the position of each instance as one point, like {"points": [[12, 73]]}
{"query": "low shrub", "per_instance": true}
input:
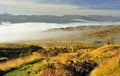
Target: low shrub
{"points": [[49, 53], [56, 72]]}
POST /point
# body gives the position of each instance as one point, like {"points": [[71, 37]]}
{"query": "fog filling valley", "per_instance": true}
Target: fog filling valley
{"points": [[29, 31], [35, 31]]}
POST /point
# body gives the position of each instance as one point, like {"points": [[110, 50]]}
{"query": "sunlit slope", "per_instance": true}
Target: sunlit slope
{"points": [[110, 67], [108, 58], [105, 52], [106, 49]]}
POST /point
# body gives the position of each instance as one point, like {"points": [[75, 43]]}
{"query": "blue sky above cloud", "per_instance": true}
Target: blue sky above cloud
{"points": [[61, 7]]}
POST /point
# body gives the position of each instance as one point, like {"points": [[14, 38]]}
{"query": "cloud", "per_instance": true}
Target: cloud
{"points": [[49, 7], [95, 4], [30, 7], [26, 31]]}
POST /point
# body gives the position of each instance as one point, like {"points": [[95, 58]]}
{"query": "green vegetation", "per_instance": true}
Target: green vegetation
{"points": [[12, 51], [60, 58]]}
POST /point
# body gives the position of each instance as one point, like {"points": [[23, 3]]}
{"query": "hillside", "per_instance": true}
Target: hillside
{"points": [[105, 52], [60, 60], [72, 51], [105, 35], [110, 67]]}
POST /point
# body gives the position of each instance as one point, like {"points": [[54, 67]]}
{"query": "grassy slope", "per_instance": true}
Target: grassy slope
{"points": [[109, 56], [37, 67], [105, 52], [19, 61], [107, 68]]}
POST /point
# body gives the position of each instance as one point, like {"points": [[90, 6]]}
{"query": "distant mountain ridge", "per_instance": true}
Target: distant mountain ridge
{"points": [[56, 19]]}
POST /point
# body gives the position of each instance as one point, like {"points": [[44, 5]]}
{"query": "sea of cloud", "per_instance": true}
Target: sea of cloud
{"points": [[10, 32]]}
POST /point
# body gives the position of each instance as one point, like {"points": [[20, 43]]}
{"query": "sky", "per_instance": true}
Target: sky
{"points": [[61, 7]]}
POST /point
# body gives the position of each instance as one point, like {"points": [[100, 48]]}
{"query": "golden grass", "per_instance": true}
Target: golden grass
{"points": [[19, 61], [65, 56], [105, 52], [107, 68], [106, 47]]}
